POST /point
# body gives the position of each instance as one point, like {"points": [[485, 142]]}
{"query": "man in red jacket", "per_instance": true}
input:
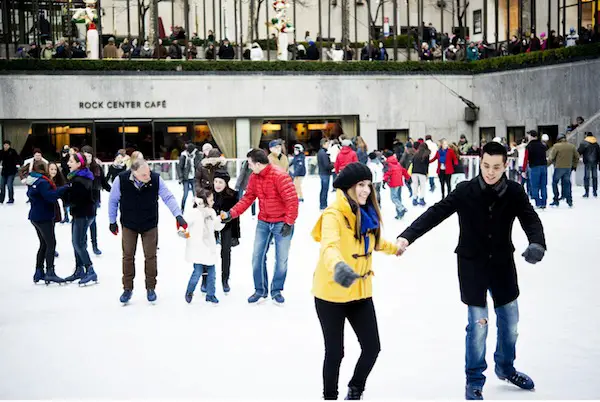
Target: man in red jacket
{"points": [[345, 157], [394, 177], [278, 205]]}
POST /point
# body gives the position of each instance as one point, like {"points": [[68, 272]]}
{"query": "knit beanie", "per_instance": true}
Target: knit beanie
{"points": [[352, 174], [222, 174]]}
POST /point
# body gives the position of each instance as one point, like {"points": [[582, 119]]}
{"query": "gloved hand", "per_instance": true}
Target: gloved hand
{"points": [[114, 228], [286, 230], [534, 253], [181, 223], [383, 183], [225, 216], [344, 275]]}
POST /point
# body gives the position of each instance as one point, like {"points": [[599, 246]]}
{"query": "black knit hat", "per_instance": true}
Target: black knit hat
{"points": [[222, 174], [352, 174]]}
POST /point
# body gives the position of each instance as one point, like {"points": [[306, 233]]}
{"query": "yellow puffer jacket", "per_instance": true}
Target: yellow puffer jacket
{"points": [[335, 231]]}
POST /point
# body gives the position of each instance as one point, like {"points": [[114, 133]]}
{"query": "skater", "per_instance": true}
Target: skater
{"points": [[432, 173], [189, 162], [43, 195], [100, 182], [135, 193], [205, 173], [565, 158], [419, 174], [345, 157], [201, 245], [10, 159], [535, 165], [55, 175], [458, 176], [333, 151], [278, 210], [325, 168], [394, 177], [224, 199], [349, 231], [37, 157], [590, 150], [65, 154], [487, 207], [242, 182], [376, 167], [117, 167], [406, 160], [446, 159], [277, 158], [298, 170], [80, 198]]}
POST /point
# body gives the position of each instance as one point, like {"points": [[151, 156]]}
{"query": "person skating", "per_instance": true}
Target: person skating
{"points": [[55, 175], [433, 167], [406, 160], [590, 151], [376, 167], [82, 204], [278, 210], [535, 164], [225, 198], [135, 194], [565, 158], [298, 170], [487, 207], [10, 159], [205, 173], [447, 160], [349, 232], [189, 163], [242, 182], [277, 158], [345, 157], [116, 168], [419, 174], [43, 195], [100, 183], [395, 177], [325, 167], [201, 245]]}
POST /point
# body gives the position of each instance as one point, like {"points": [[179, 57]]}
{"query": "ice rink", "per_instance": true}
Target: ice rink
{"points": [[66, 342]]}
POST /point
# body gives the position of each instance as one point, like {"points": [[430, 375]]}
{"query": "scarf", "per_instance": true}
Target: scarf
{"points": [[82, 173], [443, 153], [368, 222], [41, 176], [493, 193]]}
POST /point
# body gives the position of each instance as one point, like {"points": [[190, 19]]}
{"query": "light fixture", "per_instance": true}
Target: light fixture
{"points": [[176, 129], [78, 130], [129, 130], [271, 127], [322, 126]]}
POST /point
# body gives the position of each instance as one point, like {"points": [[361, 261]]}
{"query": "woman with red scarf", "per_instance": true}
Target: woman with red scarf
{"points": [[43, 194]]}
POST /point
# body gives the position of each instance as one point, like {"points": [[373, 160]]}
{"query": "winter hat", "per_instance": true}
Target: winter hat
{"points": [[352, 174], [214, 153], [543, 35], [561, 136], [497, 139], [190, 148], [372, 156], [274, 143], [222, 174], [206, 147], [409, 145], [545, 137], [533, 133], [387, 153], [346, 143], [299, 148]]}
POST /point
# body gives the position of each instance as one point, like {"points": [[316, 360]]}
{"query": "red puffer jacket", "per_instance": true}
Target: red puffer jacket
{"points": [[277, 197], [344, 158], [395, 173], [451, 161]]}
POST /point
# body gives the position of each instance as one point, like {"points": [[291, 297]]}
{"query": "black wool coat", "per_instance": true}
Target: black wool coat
{"points": [[485, 250]]}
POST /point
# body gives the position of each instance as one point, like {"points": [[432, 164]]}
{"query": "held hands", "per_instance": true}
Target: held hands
{"points": [[402, 245], [225, 216], [286, 230], [114, 228], [344, 275], [181, 223], [534, 253]]}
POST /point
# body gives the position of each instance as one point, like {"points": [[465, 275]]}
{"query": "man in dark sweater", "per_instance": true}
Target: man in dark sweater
{"points": [[535, 159], [487, 207], [10, 159], [325, 168], [136, 192]]}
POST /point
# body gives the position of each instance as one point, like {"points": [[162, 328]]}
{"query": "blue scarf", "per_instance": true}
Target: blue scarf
{"points": [[443, 153], [368, 221], [85, 172]]}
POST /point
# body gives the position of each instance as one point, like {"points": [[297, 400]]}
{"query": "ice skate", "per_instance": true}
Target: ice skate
{"points": [[473, 394], [78, 274], [38, 275], [521, 380], [90, 276], [151, 295], [51, 277], [126, 296]]}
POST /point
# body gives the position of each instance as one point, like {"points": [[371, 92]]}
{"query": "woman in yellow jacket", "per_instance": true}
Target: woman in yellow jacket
{"points": [[349, 231]]}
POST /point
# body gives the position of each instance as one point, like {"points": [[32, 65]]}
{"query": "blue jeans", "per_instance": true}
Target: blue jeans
{"points": [[396, 193], [265, 232], [79, 238], [188, 185], [7, 181], [241, 194], [507, 318], [539, 183], [210, 279], [432, 184], [324, 191], [564, 176], [590, 169]]}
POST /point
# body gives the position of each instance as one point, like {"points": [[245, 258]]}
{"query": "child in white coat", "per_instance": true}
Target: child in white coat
{"points": [[201, 245]]}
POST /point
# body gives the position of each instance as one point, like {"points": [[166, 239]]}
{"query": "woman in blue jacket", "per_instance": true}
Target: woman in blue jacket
{"points": [[298, 169], [43, 194]]}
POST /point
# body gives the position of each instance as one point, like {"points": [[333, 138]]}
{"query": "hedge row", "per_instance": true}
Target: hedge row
{"points": [[548, 57]]}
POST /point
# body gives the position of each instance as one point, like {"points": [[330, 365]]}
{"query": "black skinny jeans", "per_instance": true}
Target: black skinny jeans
{"points": [[361, 315], [45, 233], [226, 241], [445, 182]]}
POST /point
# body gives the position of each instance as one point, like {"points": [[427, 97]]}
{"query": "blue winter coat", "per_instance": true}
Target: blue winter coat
{"points": [[298, 166], [42, 199]]}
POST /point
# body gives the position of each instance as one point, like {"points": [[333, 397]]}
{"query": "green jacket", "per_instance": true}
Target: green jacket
{"points": [[564, 155]]}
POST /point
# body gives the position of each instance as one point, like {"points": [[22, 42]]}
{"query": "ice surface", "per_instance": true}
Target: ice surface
{"points": [[70, 342]]}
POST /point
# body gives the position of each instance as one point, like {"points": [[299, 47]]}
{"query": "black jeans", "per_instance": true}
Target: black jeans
{"points": [[361, 315], [445, 182], [226, 240], [45, 233]]}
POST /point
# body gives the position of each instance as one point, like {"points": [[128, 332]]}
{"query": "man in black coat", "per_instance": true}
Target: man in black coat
{"points": [[590, 150], [10, 159], [487, 207], [325, 168]]}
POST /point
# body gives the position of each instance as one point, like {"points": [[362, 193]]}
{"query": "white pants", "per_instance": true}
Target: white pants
{"points": [[419, 185], [455, 179]]}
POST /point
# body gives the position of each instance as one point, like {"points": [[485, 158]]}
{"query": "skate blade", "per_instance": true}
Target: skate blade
{"points": [[278, 304], [508, 382], [93, 283], [260, 302]]}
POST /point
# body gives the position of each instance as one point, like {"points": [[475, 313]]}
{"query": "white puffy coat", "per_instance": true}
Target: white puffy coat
{"points": [[201, 246]]}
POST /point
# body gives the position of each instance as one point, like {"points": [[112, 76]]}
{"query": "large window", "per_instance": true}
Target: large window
{"points": [[551, 131], [515, 134], [386, 138], [50, 138], [487, 133], [308, 133]]}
